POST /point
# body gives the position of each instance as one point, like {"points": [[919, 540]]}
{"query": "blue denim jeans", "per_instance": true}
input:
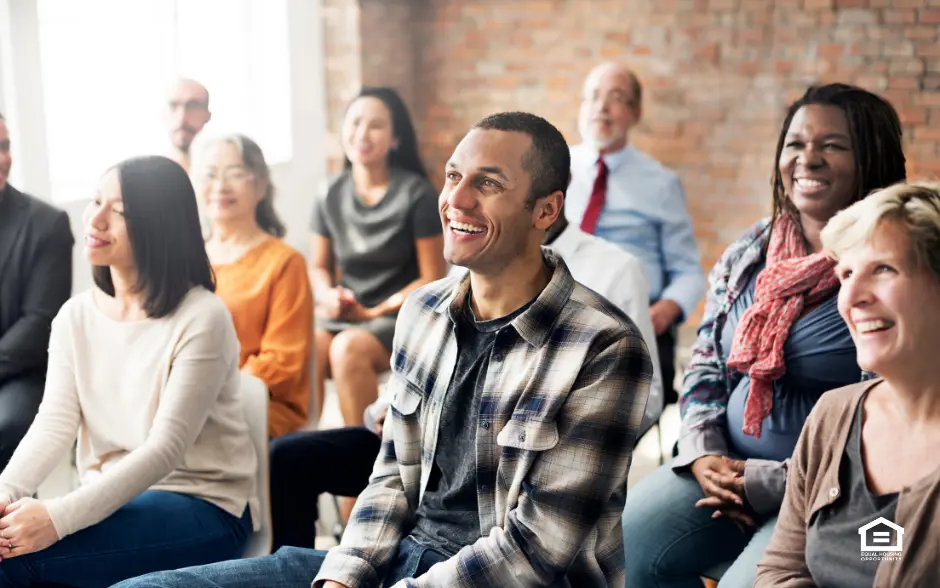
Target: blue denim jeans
{"points": [[155, 531], [670, 543], [290, 567]]}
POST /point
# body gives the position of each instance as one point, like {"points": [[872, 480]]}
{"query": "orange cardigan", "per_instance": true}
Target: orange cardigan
{"points": [[269, 296]]}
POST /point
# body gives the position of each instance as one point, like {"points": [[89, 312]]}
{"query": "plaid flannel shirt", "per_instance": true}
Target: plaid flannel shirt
{"points": [[563, 398]]}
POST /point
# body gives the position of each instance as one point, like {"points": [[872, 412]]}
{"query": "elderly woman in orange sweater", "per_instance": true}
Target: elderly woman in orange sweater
{"points": [[867, 460], [262, 280]]}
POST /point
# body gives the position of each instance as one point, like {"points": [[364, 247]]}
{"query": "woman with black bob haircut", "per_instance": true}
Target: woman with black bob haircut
{"points": [[143, 371]]}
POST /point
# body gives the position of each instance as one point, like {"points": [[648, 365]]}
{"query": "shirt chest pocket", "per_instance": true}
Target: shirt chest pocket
{"points": [[520, 435], [521, 443], [406, 397], [407, 400]]}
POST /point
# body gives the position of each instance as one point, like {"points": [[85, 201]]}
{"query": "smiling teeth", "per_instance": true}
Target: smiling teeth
{"points": [[807, 183], [465, 227], [873, 325]]}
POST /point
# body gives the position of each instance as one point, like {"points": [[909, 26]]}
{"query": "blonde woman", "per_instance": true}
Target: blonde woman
{"points": [[868, 453]]}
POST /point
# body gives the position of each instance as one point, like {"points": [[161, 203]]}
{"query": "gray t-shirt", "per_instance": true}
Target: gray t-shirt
{"points": [[833, 546], [374, 246], [448, 517]]}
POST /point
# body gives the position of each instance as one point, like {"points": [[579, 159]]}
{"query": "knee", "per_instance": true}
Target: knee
{"points": [[322, 341], [349, 351], [286, 455]]}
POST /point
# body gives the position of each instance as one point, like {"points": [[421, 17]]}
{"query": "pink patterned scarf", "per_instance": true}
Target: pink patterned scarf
{"points": [[791, 280]]}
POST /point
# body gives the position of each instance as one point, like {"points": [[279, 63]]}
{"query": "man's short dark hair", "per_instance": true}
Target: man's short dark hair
{"points": [[548, 161], [164, 232]]}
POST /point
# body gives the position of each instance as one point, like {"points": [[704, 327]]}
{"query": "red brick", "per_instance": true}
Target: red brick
{"points": [[912, 115], [895, 16], [932, 82], [830, 50], [904, 65], [929, 99], [904, 82], [921, 33], [929, 16], [927, 133], [898, 49], [927, 50], [827, 18], [717, 74]]}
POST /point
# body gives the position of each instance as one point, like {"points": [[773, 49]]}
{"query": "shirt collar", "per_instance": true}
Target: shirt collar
{"points": [[535, 324], [612, 160], [567, 241]]}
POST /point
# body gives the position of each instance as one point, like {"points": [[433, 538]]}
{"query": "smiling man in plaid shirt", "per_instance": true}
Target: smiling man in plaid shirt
{"points": [[517, 397]]}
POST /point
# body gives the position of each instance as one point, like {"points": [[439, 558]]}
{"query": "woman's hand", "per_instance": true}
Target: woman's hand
{"points": [[327, 304], [722, 480], [334, 303], [26, 527]]}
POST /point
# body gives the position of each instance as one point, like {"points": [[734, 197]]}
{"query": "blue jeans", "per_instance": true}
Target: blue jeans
{"points": [[290, 567], [670, 543], [155, 531]]}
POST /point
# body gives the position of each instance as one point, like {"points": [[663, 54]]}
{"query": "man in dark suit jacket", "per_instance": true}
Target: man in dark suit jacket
{"points": [[35, 280]]}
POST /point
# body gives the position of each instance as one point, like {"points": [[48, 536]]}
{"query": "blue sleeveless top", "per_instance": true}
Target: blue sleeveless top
{"points": [[820, 356]]}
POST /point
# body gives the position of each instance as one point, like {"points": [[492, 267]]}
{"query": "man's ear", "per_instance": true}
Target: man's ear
{"points": [[548, 208]]}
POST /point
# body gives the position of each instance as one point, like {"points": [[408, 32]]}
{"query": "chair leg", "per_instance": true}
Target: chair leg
{"points": [[659, 436], [339, 527]]}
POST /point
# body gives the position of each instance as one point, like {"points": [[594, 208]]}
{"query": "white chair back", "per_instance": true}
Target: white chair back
{"points": [[255, 402]]}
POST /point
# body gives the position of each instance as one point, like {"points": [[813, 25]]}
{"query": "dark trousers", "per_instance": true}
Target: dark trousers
{"points": [[666, 344], [308, 463], [154, 531], [19, 402]]}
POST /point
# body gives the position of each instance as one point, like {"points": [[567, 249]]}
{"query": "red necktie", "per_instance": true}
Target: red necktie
{"points": [[598, 194]]}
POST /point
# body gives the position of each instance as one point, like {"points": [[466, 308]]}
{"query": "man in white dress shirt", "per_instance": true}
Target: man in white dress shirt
{"points": [[626, 197], [619, 277]]}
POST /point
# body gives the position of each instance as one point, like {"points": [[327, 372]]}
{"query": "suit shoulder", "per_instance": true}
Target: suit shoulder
{"points": [[40, 213]]}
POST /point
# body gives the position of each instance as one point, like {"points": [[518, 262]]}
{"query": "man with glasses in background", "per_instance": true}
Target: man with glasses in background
{"points": [[187, 114], [625, 196]]}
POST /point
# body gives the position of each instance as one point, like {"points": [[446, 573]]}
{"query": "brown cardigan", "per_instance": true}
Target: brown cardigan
{"points": [[813, 483]]}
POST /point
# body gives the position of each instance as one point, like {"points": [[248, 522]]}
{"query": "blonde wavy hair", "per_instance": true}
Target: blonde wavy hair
{"points": [[915, 207]]}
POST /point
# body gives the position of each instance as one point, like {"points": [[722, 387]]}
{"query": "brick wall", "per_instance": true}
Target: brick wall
{"points": [[718, 75], [343, 64], [367, 42]]}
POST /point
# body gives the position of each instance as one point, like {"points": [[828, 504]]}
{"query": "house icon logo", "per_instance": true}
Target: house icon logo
{"points": [[882, 535]]}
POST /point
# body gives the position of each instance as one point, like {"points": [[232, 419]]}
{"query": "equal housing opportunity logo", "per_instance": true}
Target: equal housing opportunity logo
{"points": [[881, 540]]}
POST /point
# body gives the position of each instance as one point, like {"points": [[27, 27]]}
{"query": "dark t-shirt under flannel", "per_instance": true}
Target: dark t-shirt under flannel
{"points": [[448, 517]]}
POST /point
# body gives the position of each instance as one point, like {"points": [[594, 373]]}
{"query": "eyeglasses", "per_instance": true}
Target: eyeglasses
{"points": [[229, 176], [612, 97], [189, 105]]}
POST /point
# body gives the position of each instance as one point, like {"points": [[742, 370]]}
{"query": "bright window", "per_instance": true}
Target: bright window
{"points": [[107, 65]]}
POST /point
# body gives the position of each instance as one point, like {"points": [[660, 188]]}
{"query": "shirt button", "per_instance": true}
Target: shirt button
{"points": [[485, 425], [498, 358], [485, 488], [522, 437], [833, 492]]}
